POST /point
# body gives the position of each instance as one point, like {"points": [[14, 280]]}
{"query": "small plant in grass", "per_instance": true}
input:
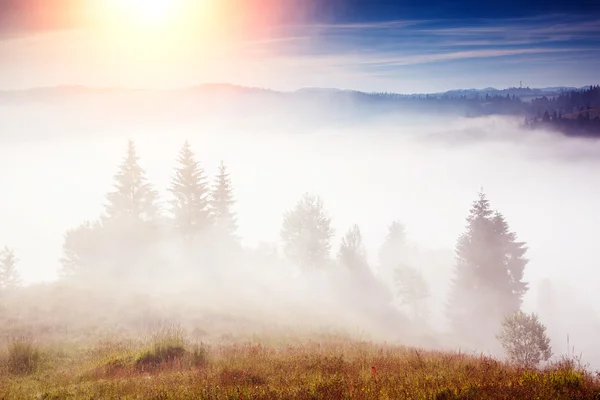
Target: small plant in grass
{"points": [[524, 339], [167, 345], [199, 356], [23, 357]]}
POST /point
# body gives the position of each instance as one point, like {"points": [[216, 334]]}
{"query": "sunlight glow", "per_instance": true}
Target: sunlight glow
{"points": [[149, 11], [143, 33]]}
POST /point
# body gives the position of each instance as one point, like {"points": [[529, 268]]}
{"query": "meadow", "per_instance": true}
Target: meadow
{"points": [[318, 368], [53, 349]]}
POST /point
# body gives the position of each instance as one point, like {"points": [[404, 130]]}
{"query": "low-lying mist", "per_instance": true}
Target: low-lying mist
{"points": [[422, 169]]}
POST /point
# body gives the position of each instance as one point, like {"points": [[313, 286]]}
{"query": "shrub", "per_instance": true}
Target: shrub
{"points": [[199, 357], [23, 357], [168, 344], [524, 339]]}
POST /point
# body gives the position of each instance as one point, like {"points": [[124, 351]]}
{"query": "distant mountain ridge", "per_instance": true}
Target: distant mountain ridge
{"points": [[226, 87], [311, 108]]}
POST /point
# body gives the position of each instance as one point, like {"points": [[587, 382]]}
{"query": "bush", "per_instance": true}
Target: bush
{"points": [[23, 357], [524, 339], [168, 345], [199, 357]]}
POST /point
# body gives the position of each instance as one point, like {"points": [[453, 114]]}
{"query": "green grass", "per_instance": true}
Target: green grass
{"points": [[23, 357], [168, 345], [319, 368]]}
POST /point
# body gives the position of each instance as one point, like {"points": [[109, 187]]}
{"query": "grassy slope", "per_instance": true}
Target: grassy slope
{"points": [[326, 367], [91, 345]]}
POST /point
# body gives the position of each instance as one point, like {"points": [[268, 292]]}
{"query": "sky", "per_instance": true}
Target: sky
{"points": [[369, 45]]}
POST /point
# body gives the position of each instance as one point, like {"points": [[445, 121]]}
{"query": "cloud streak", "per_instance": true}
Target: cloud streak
{"points": [[458, 55], [395, 45]]}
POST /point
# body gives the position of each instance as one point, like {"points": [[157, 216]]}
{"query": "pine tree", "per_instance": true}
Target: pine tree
{"points": [[221, 203], [307, 232], [393, 252], [512, 253], [352, 252], [9, 275], [134, 199], [190, 206], [488, 273]]}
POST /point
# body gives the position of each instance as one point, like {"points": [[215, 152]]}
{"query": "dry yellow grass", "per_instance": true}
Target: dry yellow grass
{"points": [[323, 368]]}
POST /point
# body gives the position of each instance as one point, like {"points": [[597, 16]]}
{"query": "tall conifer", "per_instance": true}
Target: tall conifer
{"points": [[190, 207]]}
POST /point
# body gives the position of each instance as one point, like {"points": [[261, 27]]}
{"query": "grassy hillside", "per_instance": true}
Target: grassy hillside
{"points": [[170, 367], [59, 342]]}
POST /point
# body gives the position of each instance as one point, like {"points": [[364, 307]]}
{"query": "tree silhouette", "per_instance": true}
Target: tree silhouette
{"points": [[352, 252], [393, 252], [133, 200], [9, 275], [130, 225], [307, 232], [189, 188], [83, 251], [412, 290], [488, 272], [221, 203], [524, 339]]}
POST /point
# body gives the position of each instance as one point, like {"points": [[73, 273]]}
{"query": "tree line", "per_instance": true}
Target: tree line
{"points": [[122, 244]]}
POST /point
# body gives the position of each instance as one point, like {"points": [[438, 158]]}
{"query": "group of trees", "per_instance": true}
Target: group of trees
{"points": [[568, 102], [135, 219], [487, 288], [575, 112], [585, 122]]}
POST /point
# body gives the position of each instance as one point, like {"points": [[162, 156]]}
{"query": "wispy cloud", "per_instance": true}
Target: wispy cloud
{"points": [[408, 42], [453, 49], [378, 25], [413, 59], [511, 33]]}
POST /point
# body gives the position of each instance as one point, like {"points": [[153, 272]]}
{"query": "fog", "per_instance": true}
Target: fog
{"points": [[58, 158]]}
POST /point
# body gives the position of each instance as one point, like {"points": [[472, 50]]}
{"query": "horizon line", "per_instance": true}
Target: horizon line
{"points": [[200, 85]]}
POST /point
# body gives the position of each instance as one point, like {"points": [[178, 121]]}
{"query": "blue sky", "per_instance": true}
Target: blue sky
{"points": [[543, 49], [378, 10], [403, 46]]}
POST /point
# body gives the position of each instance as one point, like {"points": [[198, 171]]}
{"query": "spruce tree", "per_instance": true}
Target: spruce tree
{"points": [[306, 232], [189, 188], [221, 203], [512, 253], [130, 226], [133, 200], [393, 252], [488, 273], [9, 275]]}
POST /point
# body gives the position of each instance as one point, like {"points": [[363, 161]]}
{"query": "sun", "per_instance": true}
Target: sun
{"points": [[149, 11]]}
